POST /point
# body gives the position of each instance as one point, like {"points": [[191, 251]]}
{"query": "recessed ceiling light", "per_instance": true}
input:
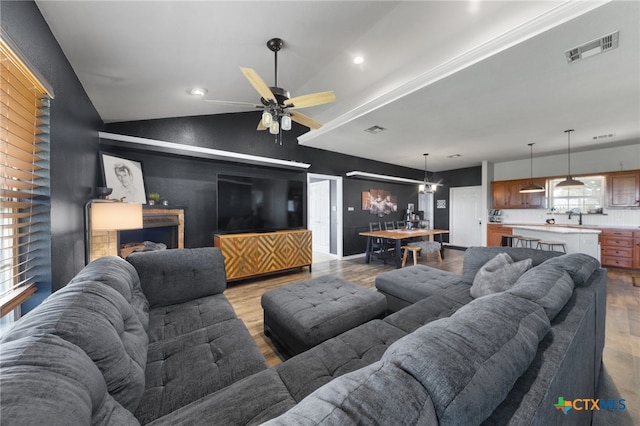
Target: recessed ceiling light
{"points": [[198, 91], [358, 60]]}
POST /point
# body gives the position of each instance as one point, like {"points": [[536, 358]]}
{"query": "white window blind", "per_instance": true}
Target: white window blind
{"points": [[24, 180]]}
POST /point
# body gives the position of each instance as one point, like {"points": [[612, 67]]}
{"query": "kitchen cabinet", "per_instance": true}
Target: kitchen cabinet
{"points": [[506, 194], [617, 248], [495, 233], [636, 250], [623, 189], [500, 195]]}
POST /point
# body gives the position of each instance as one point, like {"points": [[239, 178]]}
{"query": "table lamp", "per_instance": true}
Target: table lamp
{"points": [[109, 215]]}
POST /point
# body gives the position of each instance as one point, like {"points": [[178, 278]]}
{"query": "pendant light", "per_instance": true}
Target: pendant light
{"points": [[427, 188], [532, 187], [569, 182]]}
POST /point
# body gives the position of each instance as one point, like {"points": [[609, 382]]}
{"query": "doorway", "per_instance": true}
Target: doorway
{"points": [[465, 217], [324, 210]]}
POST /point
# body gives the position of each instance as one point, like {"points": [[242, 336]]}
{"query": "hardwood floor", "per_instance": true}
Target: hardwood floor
{"points": [[619, 379]]}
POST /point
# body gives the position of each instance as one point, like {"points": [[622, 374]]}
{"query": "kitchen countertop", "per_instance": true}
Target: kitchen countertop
{"points": [[568, 225], [558, 229]]}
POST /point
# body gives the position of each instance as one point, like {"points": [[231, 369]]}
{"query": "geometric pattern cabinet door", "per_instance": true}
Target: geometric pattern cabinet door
{"points": [[248, 255]]}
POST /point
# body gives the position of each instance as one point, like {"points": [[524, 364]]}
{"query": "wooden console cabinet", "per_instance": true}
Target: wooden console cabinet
{"points": [[249, 255]]}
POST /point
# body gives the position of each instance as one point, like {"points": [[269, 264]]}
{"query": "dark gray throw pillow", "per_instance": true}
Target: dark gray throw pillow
{"points": [[498, 275]]}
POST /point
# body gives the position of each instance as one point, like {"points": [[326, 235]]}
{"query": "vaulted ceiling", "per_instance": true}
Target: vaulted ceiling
{"points": [[477, 78]]}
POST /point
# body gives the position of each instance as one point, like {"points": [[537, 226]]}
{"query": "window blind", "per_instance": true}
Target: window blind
{"points": [[24, 180]]}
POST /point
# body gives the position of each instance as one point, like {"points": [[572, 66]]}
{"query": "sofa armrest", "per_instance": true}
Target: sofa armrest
{"points": [[174, 276]]}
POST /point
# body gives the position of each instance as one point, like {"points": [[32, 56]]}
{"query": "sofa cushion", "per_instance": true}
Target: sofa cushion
{"points": [[117, 273], [423, 312], [498, 274], [190, 366], [167, 322], [354, 349], [476, 257], [379, 394], [580, 266], [45, 380], [495, 339], [174, 276], [415, 282], [97, 319], [250, 401], [547, 285]]}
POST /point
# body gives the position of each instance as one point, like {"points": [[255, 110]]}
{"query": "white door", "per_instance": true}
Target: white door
{"points": [[465, 218], [320, 215]]}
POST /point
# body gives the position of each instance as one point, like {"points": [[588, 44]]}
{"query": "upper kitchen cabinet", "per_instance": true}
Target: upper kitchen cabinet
{"points": [[623, 189], [507, 195]]}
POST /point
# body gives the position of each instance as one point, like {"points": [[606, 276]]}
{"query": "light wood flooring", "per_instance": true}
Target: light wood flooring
{"points": [[620, 376]]}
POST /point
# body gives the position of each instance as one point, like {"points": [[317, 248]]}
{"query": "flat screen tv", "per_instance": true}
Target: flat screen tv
{"points": [[258, 204]]}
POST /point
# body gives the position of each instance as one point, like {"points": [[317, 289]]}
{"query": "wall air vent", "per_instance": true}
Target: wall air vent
{"points": [[594, 47], [374, 129]]}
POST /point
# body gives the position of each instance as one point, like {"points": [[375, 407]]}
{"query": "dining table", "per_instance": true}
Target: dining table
{"points": [[398, 236]]}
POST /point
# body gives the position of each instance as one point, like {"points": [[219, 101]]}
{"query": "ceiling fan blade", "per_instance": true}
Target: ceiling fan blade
{"points": [[234, 103], [305, 120], [313, 99], [261, 126], [258, 83]]}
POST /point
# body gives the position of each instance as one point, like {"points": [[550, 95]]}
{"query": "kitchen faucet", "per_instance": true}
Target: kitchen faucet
{"points": [[579, 218]]}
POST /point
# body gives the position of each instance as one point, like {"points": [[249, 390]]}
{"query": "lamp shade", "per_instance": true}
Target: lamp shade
{"points": [[111, 216]]}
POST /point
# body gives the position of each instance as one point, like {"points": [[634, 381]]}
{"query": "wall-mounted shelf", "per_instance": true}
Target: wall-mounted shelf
{"points": [[385, 178], [154, 145]]}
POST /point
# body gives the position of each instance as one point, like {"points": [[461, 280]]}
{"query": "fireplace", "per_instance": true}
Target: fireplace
{"points": [[160, 225]]}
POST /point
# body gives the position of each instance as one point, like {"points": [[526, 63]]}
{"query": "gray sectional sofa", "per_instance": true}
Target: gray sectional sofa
{"points": [[442, 358]]}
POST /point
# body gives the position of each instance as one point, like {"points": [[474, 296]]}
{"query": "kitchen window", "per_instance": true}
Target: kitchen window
{"points": [[588, 198]]}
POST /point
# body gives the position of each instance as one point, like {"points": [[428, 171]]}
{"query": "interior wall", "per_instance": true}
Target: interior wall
{"points": [[74, 140], [179, 178], [471, 176]]}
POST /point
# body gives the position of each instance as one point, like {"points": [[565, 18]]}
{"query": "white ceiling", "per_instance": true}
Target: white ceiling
{"points": [[478, 78]]}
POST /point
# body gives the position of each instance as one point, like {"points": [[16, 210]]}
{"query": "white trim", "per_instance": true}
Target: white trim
{"points": [[198, 151], [339, 204], [357, 174], [559, 15]]}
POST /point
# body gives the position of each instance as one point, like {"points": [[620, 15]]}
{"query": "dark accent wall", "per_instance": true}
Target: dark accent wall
{"points": [[191, 182], [471, 176], [74, 140]]}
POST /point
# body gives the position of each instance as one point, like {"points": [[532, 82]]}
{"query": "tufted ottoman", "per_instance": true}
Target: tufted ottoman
{"points": [[299, 316]]}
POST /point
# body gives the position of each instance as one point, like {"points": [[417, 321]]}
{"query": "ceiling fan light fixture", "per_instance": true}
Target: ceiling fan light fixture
{"points": [[267, 118], [285, 122], [274, 127], [569, 182]]}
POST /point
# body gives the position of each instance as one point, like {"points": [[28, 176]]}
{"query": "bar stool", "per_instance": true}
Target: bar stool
{"points": [[526, 241], [414, 252], [507, 240], [551, 245]]}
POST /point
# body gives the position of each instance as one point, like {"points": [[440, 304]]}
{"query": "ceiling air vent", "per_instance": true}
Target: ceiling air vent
{"points": [[374, 129], [594, 47]]}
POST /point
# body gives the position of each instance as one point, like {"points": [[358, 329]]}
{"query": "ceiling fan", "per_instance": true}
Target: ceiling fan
{"points": [[279, 108]]}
